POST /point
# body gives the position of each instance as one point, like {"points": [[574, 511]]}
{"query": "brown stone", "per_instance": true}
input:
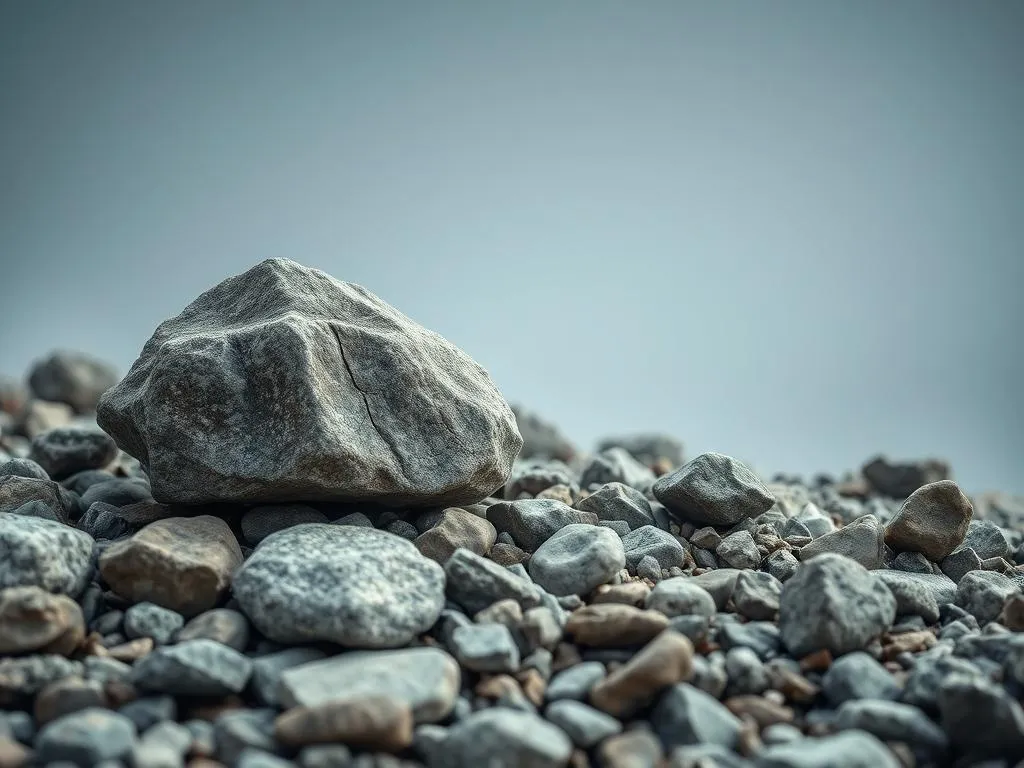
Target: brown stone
{"points": [[210, 710], [912, 642], [13, 754], [579, 759], [226, 626], [631, 593], [497, 686], [132, 650], [565, 655], [1013, 613], [666, 660], [181, 563], [562, 493], [373, 723], [632, 749], [33, 620], [506, 612], [933, 521], [456, 528], [610, 625], [508, 554], [62, 697], [748, 742], [818, 661], [763, 710], [792, 685], [533, 685]]}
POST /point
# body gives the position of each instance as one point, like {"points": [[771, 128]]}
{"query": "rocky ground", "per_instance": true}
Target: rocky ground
{"points": [[303, 530]]}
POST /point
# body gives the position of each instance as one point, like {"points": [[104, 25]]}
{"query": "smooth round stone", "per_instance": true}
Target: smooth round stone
{"points": [[714, 489], [585, 725], [617, 501], [357, 587], [66, 450], [932, 521], [33, 620], [224, 625], [193, 668], [87, 737], [118, 492], [43, 553], [456, 528], [151, 620], [519, 738], [833, 603], [577, 559], [680, 596], [373, 723], [649, 541], [260, 522]]}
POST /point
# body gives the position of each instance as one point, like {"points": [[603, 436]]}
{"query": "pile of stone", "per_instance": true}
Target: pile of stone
{"points": [[300, 532]]}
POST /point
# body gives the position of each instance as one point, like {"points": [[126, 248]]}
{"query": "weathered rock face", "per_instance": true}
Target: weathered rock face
{"points": [[284, 384]]}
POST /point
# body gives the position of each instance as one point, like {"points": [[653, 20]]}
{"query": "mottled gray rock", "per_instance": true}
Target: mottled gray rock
{"points": [[267, 671], [577, 559], [706, 538], [858, 676], [862, 540], [833, 603], [27, 675], [585, 725], [714, 489], [747, 675], [103, 521], [260, 522], [913, 598], [932, 521], [284, 384], [757, 595], [504, 738], [86, 737], [428, 679], [358, 587], [15, 492], [892, 721], [686, 715], [649, 541], [617, 501], [616, 465], [912, 562], [66, 450], [781, 564], [738, 550], [900, 480], [960, 563], [236, 731], [575, 682], [621, 527], [719, 583], [680, 596], [982, 594], [926, 677], [485, 648], [23, 468], [150, 620], [73, 378], [475, 583], [849, 749], [43, 553], [533, 476], [531, 522], [193, 668], [986, 539], [980, 717]]}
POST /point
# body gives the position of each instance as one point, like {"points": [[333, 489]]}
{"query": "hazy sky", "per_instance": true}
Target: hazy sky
{"points": [[788, 231]]}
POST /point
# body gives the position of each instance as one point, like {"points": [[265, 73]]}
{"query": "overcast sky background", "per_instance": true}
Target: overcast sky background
{"points": [[789, 231]]}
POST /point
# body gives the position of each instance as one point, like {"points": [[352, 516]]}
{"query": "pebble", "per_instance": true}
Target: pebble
{"points": [[833, 603], [224, 625], [531, 522], [619, 502], [533, 476], [65, 450], [638, 748], [686, 715], [575, 682], [235, 731], [862, 541], [427, 679], [615, 465], [373, 722], [456, 528], [610, 625], [660, 545], [986, 539], [193, 668], [913, 598], [781, 564], [353, 586], [34, 620], [485, 648], [680, 596], [475, 583], [666, 660], [181, 563], [714, 489], [983, 594], [27, 675], [150, 620], [504, 738], [45, 554], [849, 749], [858, 676], [933, 521], [577, 559], [757, 595], [86, 738], [719, 583], [980, 717], [23, 468], [893, 721], [586, 726], [738, 550]]}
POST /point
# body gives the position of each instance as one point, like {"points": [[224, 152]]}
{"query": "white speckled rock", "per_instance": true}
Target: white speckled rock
{"points": [[43, 553]]}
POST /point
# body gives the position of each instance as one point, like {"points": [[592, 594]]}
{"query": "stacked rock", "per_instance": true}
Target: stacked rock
{"points": [[328, 555]]}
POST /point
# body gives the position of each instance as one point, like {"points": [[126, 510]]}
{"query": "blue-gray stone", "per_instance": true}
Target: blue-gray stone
{"points": [[714, 489], [86, 737], [685, 715], [193, 668], [577, 559], [617, 501], [151, 620], [585, 725], [680, 596], [649, 541], [858, 676]]}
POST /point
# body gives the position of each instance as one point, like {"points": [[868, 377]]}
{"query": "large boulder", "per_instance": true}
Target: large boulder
{"points": [[284, 384]]}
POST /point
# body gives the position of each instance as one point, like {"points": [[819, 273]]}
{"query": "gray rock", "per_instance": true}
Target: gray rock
{"points": [[649, 568], [162, 746], [680, 596], [849, 749], [900, 480], [912, 562], [485, 648], [686, 715], [912, 597], [649, 541], [986, 539], [540, 438], [926, 677], [982, 594], [327, 756], [706, 538], [475, 582], [19, 726], [105, 669], [757, 595], [780, 733], [586, 726], [147, 711], [260, 522], [707, 756], [224, 625], [747, 675], [150, 620], [794, 528], [284, 384], [858, 676], [980, 717], [575, 682], [961, 562], [531, 522], [616, 465], [714, 489], [428, 679], [23, 468], [647, 448], [504, 738], [834, 603], [621, 527], [257, 758], [66, 450], [59, 504], [235, 731], [617, 501], [118, 492], [103, 521], [932, 521], [193, 668], [27, 675], [535, 475], [892, 721], [577, 559], [814, 520], [356, 519], [86, 737], [861, 540], [71, 377], [358, 587], [738, 550], [719, 583], [267, 671], [43, 553], [781, 564]]}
